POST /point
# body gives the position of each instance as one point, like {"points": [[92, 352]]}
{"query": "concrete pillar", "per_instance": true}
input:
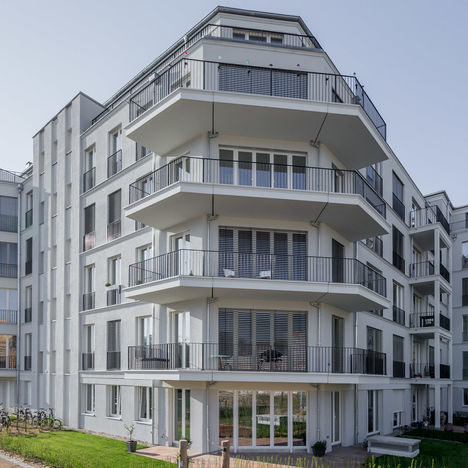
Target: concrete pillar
{"points": [[437, 303], [437, 356], [437, 406], [198, 422], [436, 252], [161, 415], [450, 403]]}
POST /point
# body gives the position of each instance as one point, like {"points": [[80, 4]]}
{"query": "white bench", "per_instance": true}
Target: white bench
{"points": [[397, 446]]}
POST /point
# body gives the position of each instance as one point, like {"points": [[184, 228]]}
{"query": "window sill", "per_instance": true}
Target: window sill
{"points": [[115, 418], [148, 422], [92, 415]]}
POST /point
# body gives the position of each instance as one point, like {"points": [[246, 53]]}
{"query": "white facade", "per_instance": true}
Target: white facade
{"points": [[229, 248]]}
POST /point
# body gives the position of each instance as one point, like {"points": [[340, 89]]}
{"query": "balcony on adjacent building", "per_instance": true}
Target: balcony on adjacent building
{"points": [[8, 316], [114, 163], [423, 274], [426, 320], [190, 274], [87, 361], [89, 179], [259, 102], [256, 358], [422, 219], [185, 187], [8, 270], [113, 360]]}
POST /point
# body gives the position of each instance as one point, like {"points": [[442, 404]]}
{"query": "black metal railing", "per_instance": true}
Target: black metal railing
{"points": [[374, 179], [418, 370], [444, 273], [114, 295], [237, 78], [399, 261], [398, 206], [422, 319], [442, 219], [428, 215], [444, 322], [399, 369], [8, 223], [421, 269], [114, 230], [444, 371], [8, 362], [113, 360], [27, 362], [398, 315], [256, 174], [89, 179], [8, 270], [8, 316], [28, 314], [246, 357], [207, 263], [27, 267], [375, 244], [89, 241], [88, 301], [87, 361], [28, 218], [114, 163]]}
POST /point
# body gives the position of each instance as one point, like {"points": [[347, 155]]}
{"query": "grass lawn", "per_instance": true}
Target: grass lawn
{"points": [[71, 449], [433, 454]]}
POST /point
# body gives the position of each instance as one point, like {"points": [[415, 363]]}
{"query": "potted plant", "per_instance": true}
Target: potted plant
{"points": [[107, 285], [319, 448], [131, 444]]}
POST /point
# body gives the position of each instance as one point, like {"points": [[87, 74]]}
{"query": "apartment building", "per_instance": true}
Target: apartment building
{"points": [[229, 248]]}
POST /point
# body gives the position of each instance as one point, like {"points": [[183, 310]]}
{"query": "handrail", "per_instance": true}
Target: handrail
{"points": [[257, 174], [220, 76]]}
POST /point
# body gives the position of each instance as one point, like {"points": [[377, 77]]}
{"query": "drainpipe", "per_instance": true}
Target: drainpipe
{"points": [[18, 292]]}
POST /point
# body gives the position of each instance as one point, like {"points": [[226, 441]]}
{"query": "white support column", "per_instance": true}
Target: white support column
{"points": [[437, 406], [437, 356], [436, 251], [450, 403]]}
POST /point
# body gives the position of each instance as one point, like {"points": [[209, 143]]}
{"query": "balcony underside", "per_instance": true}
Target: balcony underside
{"points": [[187, 200], [351, 297], [188, 113], [425, 285], [427, 333], [174, 377], [424, 236]]}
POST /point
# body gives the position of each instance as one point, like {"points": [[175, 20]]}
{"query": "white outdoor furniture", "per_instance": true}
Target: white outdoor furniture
{"points": [[229, 273], [397, 446], [265, 274]]}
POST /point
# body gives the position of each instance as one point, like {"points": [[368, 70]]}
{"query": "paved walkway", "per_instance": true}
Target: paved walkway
{"points": [[8, 462], [341, 457]]}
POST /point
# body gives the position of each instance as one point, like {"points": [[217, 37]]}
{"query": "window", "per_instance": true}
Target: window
{"points": [[398, 252], [27, 351], [465, 327], [41, 263], [41, 212], [398, 356], [113, 396], [7, 351], [29, 254], [113, 344], [141, 151], [144, 254], [145, 331], [465, 365], [8, 260], [115, 141], [113, 281], [372, 411], [145, 403], [465, 397], [464, 291], [89, 278], [374, 339], [398, 205], [89, 159], [89, 239], [28, 216], [114, 161], [397, 419], [398, 307], [9, 302], [465, 255], [90, 398], [8, 214], [113, 215], [89, 175]]}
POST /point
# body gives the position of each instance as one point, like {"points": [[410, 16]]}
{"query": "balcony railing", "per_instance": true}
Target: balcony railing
{"points": [[87, 361], [422, 319], [114, 163], [444, 322], [398, 315], [8, 362], [421, 269], [89, 241], [444, 273], [28, 314], [444, 371], [375, 244], [418, 370], [399, 369], [114, 230], [28, 218], [114, 295], [27, 267], [427, 216], [113, 360], [236, 78], [8, 270], [8, 316], [256, 174], [399, 261], [257, 266], [260, 358], [88, 301], [27, 363], [89, 179], [399, 207], [8, 223]]}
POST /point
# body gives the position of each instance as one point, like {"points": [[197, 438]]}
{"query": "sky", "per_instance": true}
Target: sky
{"points": [[411, 56]]}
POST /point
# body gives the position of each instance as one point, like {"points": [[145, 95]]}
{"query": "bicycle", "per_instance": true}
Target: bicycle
{"points": [[53, 422]]}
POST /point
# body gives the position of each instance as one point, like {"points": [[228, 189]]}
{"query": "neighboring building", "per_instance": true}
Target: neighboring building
{"points": [[228, 248]]}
